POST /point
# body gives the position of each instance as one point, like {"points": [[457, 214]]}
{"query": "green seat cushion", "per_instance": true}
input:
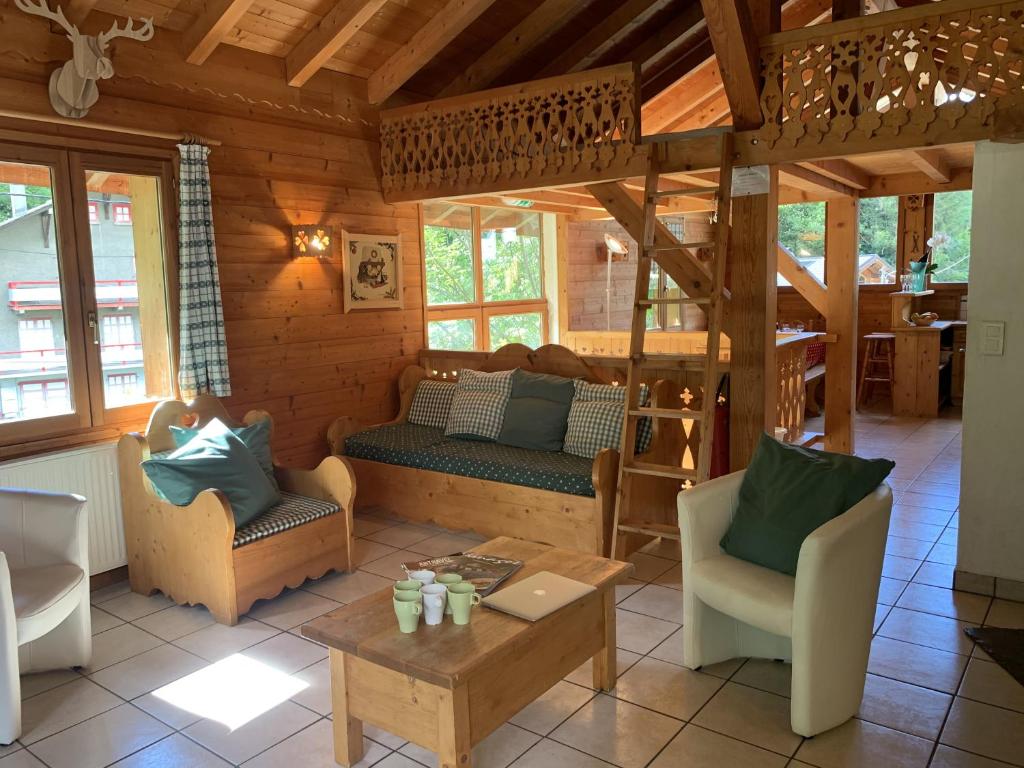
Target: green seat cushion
{"points": [[255, 436], [215, 458], [412, 445], [787, 493], [537, 411]]}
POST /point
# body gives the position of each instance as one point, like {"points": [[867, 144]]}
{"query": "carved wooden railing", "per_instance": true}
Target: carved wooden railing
{"points": [[791, 363], [570, 129], [938, 71]]}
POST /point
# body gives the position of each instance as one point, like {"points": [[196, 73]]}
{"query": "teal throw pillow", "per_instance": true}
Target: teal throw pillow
{"points": [[255, 436], [537, 411], [787, 493], [214, 458]]}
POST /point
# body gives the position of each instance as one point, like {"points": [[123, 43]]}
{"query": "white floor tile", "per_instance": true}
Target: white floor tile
{"points": [[292, 609], [313, 747], [63, 707], [173, 752], [217, 641], [286, 653], [102, 740], [255, 736], [148, 671]]}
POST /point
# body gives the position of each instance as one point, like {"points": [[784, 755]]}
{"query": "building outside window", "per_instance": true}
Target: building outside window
{"points": [[71, 299], [484, 270]]}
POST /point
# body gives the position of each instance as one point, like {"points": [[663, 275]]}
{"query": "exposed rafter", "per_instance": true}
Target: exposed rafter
{"points": [[842, 171], [602, 36], [798, 177], [323, 41], [735, 42], [932, 163], [659, 45], [211, 27], [428, 41], [532, 30]]}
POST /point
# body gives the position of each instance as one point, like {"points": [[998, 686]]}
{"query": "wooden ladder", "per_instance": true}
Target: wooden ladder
{"points": [[627, 521]]}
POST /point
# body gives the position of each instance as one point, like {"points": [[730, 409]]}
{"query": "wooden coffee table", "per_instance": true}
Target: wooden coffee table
{"points": [[447, 687]]}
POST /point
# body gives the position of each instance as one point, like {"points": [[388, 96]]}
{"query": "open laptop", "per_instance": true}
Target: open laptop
{"points": [[538, 595]]}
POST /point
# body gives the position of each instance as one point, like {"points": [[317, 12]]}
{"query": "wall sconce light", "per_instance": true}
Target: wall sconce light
{"points": [[312, 240], [615, 249]]}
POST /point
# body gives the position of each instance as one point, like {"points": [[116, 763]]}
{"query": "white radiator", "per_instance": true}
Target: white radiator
{"points": [[90, 472]]}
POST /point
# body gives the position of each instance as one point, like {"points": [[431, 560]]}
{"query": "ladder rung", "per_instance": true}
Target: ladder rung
{"points": [[682, 300], [669, 361], [686, 192], [677, 246], [659, 470], [650, 529], [666, 413]]}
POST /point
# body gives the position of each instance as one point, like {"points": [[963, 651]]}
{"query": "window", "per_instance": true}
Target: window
{"points": [[41, 398], [84, 337], [951, 236], [878, 234], [122, 387], [35, 337], [122, 213], [802, 233], [484, 277]]}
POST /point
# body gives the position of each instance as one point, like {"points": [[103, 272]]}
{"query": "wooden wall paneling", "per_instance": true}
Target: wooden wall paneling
{"points": [[217, 19], [291, 348], [753, 266], [841, 245]]}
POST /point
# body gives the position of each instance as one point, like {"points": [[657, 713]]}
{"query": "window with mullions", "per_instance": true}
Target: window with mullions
{"points": [[79, 284], [484, 277], [951, 236]]}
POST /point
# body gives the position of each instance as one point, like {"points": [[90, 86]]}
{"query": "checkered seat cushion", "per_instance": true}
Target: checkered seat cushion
{"points": [[293, 511]]}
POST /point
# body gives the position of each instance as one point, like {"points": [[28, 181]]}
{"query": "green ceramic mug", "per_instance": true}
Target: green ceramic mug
{"points": [[448, 579], [409, 585], [408, 607], [462, 597]]}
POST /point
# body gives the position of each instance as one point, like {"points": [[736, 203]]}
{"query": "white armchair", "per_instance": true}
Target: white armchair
{"points": [[821, 620], [44, 592]]}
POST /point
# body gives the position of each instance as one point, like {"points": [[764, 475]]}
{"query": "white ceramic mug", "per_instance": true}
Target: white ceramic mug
{"points": [[426, 577], [435, 597]]}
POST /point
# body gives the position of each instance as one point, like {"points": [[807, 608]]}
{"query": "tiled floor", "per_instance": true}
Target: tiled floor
{"points": [[931, 698]]}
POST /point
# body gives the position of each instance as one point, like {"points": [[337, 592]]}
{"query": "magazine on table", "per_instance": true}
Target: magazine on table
{"points": [[482, 571]]}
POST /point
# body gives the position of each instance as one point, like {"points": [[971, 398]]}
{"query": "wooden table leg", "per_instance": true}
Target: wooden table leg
{"points": [[605, 672], [348, 731], [454, 749]]}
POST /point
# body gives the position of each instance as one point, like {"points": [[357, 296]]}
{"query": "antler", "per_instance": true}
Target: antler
{"points": [[41, 8], [143, 33]]}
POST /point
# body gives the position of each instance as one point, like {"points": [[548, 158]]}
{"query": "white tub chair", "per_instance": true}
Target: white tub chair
{"points": [[821, 620], [44, 592]]}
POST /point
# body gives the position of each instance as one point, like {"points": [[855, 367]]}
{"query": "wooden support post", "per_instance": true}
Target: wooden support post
{"points": [[841, 247], [562, 260], [753, 262], [151, 280]]}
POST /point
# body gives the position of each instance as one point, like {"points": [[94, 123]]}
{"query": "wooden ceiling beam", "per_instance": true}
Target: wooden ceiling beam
{"points": [[326, 38], [210, 28], [806, 284], [734, 38], [847, 9], [842, 171], [499, 202], [932, 163], [428, 41], [517, 42], [918, 184], [801, 178], [602, 36]]}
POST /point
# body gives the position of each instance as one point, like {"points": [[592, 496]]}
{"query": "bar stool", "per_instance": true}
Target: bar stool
{"points": [[878, 366]]}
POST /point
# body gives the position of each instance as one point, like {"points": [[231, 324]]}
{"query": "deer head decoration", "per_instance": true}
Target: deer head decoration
{"points": [[73, 86]]}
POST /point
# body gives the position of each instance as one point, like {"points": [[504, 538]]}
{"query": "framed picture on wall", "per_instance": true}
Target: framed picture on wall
{"points": [[372, 271]]}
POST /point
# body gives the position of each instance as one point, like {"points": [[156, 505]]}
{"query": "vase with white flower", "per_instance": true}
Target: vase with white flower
{"points": [[919, 268]]}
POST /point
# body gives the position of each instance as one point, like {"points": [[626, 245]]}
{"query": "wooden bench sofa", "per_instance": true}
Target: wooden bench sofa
{"points": [[195, 555], [579, 520]]}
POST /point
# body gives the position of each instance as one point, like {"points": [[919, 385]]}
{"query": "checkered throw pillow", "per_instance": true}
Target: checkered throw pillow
{"points": [[431, 403], [478, 406], [595, 420]]}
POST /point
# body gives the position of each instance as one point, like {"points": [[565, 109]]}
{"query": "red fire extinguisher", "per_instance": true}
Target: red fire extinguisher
{"points": [[720, 439]]}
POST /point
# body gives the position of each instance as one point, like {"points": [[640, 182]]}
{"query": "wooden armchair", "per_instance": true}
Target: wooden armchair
{"points": [[189, 553]]}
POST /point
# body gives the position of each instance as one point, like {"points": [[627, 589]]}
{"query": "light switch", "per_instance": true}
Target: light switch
{"points": [[992, 338]]}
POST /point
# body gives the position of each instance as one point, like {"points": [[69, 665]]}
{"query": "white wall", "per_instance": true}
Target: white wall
{"points": [[991, 537]]}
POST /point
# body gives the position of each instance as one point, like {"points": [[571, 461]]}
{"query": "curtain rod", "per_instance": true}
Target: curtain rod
{"points": [[187, 138]]}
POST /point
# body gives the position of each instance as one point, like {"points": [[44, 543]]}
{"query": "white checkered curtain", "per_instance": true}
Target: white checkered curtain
{"points": [[203, 359]]}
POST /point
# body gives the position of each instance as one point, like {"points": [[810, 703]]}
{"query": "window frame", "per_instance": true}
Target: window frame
{"points": [[480, 311], [90, 420]]}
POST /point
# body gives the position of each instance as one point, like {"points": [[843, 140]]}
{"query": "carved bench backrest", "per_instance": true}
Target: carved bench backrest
{"points": [[200, 412]]}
